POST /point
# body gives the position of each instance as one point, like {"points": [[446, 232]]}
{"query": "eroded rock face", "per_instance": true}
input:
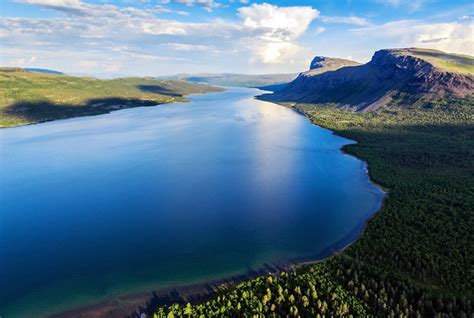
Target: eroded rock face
{"points": [[372, 85], [419, 75]]}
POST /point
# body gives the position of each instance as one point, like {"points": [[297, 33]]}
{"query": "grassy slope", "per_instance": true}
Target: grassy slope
{"points": [[416, 257], [447, 61], [34, 97]]}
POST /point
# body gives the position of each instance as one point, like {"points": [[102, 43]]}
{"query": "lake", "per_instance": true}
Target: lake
{"points": [[95, 207]]}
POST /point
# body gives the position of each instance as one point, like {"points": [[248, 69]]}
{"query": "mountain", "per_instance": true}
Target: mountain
{"points": [[43, 70], [393, 77], [239, 80], [319, 64]]}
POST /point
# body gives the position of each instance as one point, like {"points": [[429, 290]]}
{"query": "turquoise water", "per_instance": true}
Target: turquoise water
{"points": [[96, 207]]}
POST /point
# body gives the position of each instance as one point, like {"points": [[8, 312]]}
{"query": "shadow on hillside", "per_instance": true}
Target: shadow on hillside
{"points": [[40, 111], [157, 89]]}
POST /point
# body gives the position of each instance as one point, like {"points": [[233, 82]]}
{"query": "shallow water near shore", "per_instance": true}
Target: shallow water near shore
{"points": [[96, 207]]}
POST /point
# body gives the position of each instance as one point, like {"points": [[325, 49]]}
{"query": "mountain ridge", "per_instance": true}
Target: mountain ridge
{"points": [[319, 65], [393, 76], [43, 70], [234, 79]]}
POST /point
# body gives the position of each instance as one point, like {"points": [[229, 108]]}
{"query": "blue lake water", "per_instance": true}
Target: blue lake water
{"points": [[95, 207]]}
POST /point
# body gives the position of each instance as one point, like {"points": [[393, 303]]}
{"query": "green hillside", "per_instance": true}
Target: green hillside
{"points": [[27, 97]]}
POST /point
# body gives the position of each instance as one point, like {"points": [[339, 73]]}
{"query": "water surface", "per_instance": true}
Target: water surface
{"points": [[96, 207]]}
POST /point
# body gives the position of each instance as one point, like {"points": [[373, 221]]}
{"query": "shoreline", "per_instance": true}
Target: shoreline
{"points": [[110, 107], [133, 305]]}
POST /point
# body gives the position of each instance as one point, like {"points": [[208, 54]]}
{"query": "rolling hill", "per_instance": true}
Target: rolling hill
{"points": [[32, 97]]}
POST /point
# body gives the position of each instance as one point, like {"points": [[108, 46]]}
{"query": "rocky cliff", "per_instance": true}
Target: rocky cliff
{"points": [[396, 76]]}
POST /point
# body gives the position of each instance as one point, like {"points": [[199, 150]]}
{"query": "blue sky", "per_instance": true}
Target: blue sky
{"points": [[110, 38]]}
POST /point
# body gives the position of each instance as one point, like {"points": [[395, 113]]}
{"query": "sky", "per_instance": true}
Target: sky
{"points": [[110, 38]]}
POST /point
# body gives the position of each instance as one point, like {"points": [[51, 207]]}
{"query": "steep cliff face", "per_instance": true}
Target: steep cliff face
{"points": [[319, 65], [389, 75]]}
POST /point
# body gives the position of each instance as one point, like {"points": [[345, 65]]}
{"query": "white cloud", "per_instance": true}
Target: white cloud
{"points": [[263, 35], [276, 53], [319, 30], [291, 22], [453, 37], [163, 9], [24, 61], [187, 47], [278, 29], [209, 5], [69, 6], [345, 20]]}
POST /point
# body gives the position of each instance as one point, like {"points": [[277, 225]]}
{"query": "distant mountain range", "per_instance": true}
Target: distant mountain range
{"points": [[238, 80], [393, 77], [271, 82], [44, 71]]}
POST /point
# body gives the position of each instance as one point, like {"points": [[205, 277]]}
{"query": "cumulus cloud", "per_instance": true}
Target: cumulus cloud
{"points": [[291, 22], [278, 29], [113, 36], [264, 37]]}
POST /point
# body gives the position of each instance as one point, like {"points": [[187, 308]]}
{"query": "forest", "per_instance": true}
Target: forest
{"points": [[416, 256]]}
